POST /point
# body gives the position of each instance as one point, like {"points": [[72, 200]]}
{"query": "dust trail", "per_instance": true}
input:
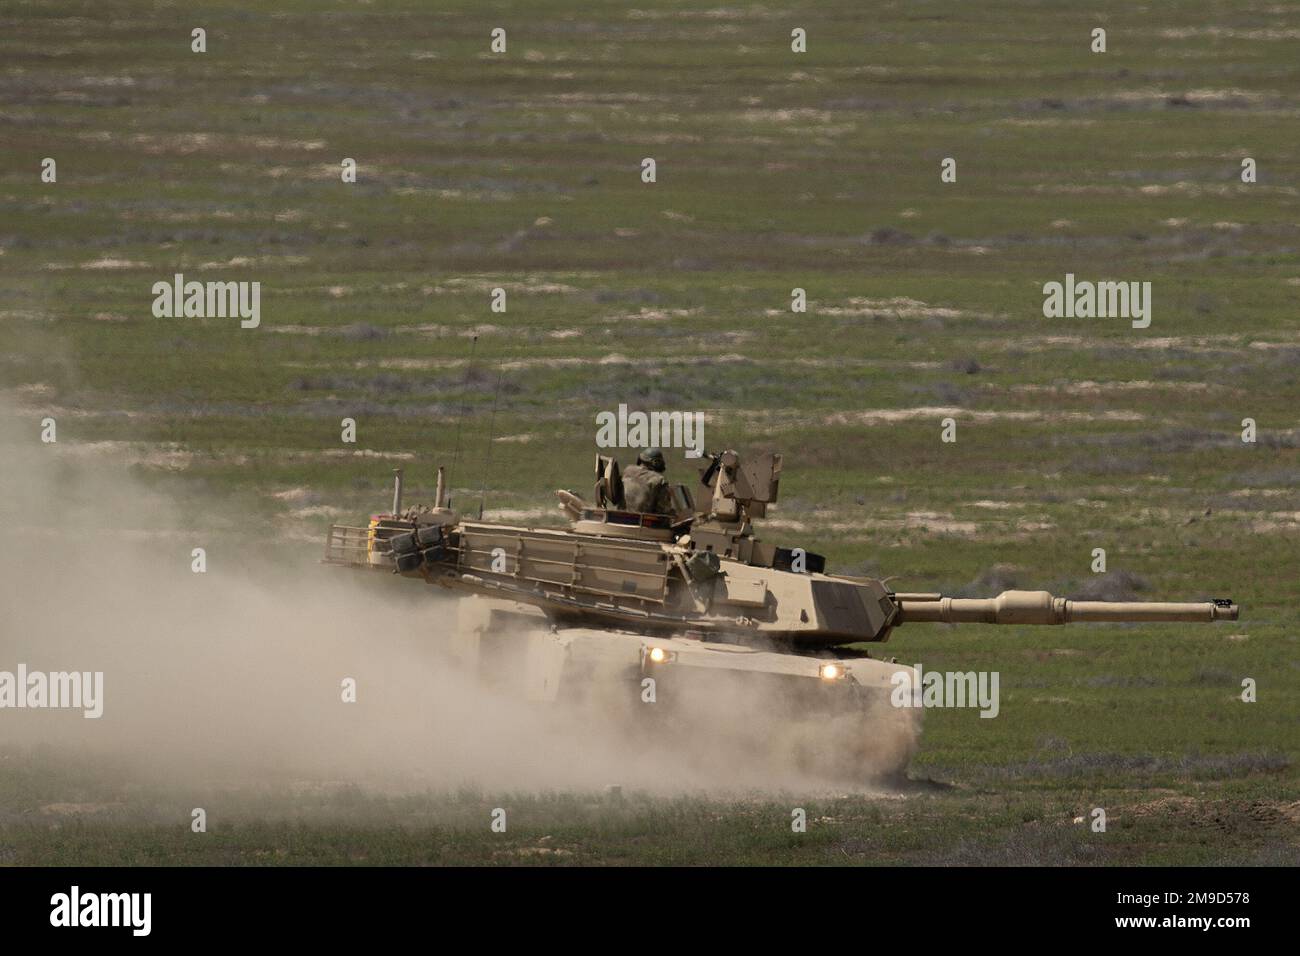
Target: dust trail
{"points": [[234, 676]]}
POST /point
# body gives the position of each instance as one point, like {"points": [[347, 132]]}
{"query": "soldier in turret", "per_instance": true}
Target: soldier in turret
{"points": [[645, 488]]}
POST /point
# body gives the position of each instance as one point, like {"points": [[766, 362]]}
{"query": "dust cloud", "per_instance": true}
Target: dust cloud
{"points": [[234, 676]]}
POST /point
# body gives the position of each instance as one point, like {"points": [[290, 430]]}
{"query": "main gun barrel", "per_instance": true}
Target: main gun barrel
{"points": [[1039, 607]]}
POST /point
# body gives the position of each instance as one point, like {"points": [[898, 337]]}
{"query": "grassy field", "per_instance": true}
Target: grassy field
{"points": [[775, 170]]}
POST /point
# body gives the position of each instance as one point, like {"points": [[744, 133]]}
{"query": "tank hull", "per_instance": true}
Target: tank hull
{"points": [[822, 716]]}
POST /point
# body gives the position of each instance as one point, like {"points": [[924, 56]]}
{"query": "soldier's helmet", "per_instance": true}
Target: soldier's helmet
{"points": [[652, 458]]}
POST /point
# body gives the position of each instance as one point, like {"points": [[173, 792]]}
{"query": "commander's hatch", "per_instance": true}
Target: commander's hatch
{"points": [[609, 483], [611, 516]]}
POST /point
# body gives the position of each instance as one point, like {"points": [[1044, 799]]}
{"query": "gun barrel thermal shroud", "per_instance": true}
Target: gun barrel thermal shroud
{"points": [[1039, 607]]}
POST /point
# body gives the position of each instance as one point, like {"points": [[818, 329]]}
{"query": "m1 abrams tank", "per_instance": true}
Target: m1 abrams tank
{"points": [[748, 642]]}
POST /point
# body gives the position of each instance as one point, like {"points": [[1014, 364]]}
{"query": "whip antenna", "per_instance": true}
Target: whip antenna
{"points": [[460, 417], [492, 431]]}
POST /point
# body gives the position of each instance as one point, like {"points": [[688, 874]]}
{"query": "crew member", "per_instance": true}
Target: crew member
{"points": [[645, 488]]}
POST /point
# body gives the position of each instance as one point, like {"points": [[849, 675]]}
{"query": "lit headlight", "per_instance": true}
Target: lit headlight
{"points": [[832, 671], [657, 655]]}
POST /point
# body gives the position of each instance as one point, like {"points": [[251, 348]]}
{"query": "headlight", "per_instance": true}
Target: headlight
{"points": [[657, 655], [832, 671]]}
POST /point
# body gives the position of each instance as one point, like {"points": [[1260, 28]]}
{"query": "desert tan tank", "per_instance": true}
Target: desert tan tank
{"points": [[693, 613]]}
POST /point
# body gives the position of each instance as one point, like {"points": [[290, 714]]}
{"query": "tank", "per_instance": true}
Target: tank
{"points": [[751, 642]]}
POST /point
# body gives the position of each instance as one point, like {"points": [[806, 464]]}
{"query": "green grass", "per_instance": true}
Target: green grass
{"points": [[819, 171], [1150, 819]]}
